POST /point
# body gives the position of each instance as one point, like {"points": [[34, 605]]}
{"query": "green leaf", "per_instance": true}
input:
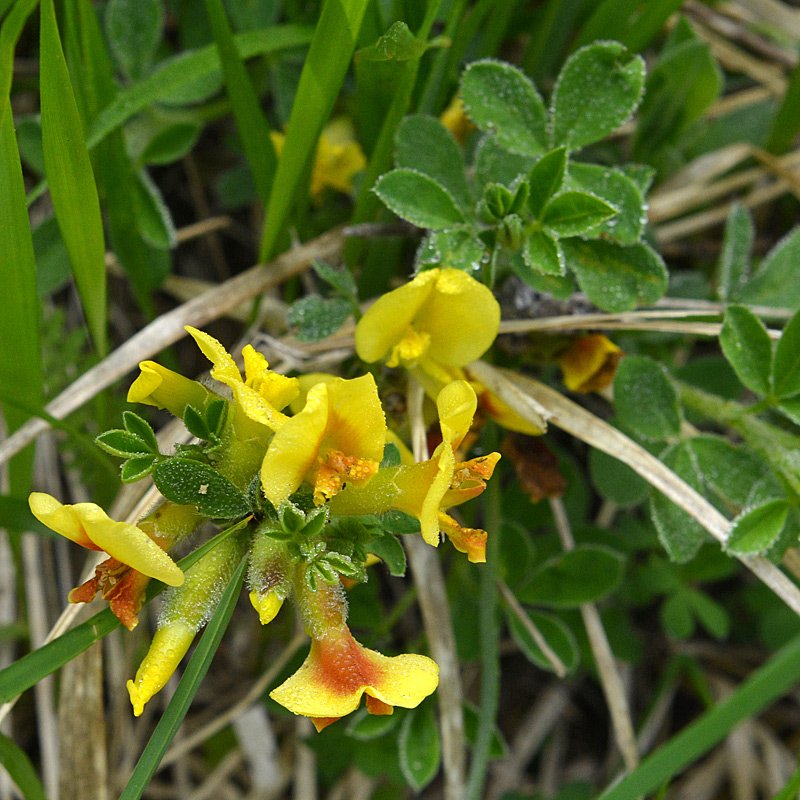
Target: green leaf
{"points": [[617, 277], [364, 727], [786, 368], [133, 29], [324, 71], [20, 769], [196, 423], [676, 616], [195, 671], [122, 443], [618, 190], [616, 481], [185, 482], [542, 253], [747, 347], [20, 355], [316, 317], [582, 575], [425, 145], [775, 283], [390, 551], [645, 399], [545, 179], [69, 173], [139, 427], [250, 120], [419, 747], [10, 32], [786, 121], [597, 90], [734, 261], [155, 223], [791, 409], [495, 164], [711, 615], [178, 72], [136, 468], [731, 473], [555, 632], [757, 529], [574, 213], [391, 455], [419, 199], [684, 82], [340, 279], [171, 143], [29, 140], [503, 101], [455, 248], [680, 534]]}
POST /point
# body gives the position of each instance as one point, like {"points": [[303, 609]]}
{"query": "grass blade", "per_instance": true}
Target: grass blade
{"points": [[649, 23], [187, 688], [32, 667], [764, 686], [9, 34], [72, 185], [190, 66], [250, 120], [320, 81], [20, 356], [20, 769], [786, 122]]}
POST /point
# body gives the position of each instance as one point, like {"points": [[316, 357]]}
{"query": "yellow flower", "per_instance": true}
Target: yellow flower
{"points": [[590, 363], [134, 555], [88, 525], [428, 489], [455, 119], [441, 319], [339, 157], [338, 437], [163, 388], [339, 670], [262, 394]]}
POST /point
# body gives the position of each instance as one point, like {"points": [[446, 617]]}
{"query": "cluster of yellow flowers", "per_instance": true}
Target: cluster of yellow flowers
{"points": [[331, 448]]}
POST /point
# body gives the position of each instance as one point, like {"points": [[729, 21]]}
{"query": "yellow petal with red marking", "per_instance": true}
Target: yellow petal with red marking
{"points": [[590, 363], [339, 671]]}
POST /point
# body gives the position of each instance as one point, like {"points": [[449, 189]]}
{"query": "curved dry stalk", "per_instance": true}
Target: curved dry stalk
{"points": [[520, 392], [168, 328], [428, 579], [607, 668]]}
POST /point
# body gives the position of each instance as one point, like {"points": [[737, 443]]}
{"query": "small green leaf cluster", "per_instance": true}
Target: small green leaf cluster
{"points": [[137, 444], [207, 424], [526, 205], [314, 317]]}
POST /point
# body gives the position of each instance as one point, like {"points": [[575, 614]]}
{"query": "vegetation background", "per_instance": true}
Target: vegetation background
{"points": [[635, 631]]}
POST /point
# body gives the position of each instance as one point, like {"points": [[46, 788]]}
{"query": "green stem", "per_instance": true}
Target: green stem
{"points": [[490, 646]]}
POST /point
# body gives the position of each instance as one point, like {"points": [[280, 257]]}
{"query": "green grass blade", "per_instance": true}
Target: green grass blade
{"points": [[20, 356], [764, 686], [320, 81], [250, 120], [115, 176], [606, 22], [190, 66], [72, 185], [649, 23], [21, 770], [792, 788], [9, 34], [786, 122], [187, 688], [32, 667]]}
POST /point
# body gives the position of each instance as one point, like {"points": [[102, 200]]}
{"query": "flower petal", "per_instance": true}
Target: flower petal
{"points": [[385, 323], [294, 448], [590, 363], [356, 422], [456, 404], [128, 544], [461, 316], [60, 518], [224, 369], [163, 388]]}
